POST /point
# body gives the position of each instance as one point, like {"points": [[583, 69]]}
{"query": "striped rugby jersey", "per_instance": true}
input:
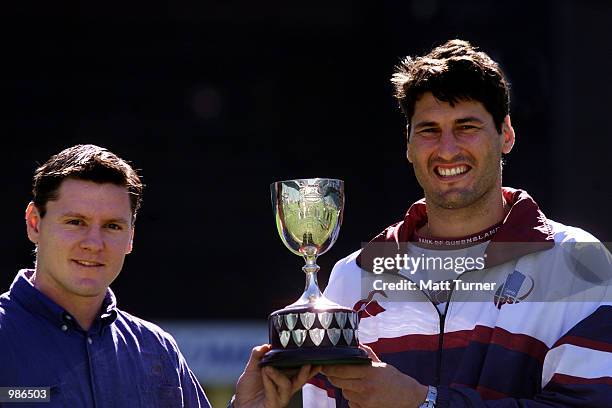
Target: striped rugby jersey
{"points": [[541, 338]]}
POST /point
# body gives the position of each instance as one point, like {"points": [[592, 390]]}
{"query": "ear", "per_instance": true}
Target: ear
{"points": [[131, 243], [508, 135], [408, 151], [33, 220]]}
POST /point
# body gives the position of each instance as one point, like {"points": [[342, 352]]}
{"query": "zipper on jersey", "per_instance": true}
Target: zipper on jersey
{"points": [[442, 322], [440, 345]]}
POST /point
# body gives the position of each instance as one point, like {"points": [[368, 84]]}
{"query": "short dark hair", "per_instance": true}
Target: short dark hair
{"points": [[89, 163], [453, 72]]}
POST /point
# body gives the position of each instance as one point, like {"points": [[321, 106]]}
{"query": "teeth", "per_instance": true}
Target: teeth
{"points": [[87, 263], [452, 171]]}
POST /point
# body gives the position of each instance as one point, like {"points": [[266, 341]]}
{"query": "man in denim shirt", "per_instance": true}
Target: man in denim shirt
{"points": [[60, 327]]}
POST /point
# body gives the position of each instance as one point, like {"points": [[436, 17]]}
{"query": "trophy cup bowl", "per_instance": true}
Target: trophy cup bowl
{"points": [[313, 329]]}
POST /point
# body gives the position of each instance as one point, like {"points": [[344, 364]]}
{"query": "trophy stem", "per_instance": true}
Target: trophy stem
{"points": [[312, 294], [311, 291]]}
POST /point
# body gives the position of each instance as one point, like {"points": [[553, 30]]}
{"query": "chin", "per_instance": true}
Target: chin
{"points": [[453, 200], [89, 289]]}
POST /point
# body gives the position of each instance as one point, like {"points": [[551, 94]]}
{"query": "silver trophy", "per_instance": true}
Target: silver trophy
{"points": [[313, 329]]}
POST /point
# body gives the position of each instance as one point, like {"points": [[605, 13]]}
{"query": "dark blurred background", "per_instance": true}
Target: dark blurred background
{"points": [[215, 100]]}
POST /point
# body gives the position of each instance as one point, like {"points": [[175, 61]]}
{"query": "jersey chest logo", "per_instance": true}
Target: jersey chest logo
{"points": [[515, 289]]}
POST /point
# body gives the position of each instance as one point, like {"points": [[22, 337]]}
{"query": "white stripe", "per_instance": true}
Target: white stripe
{"points": [[522, 318], [315, 397], [407, 318], [577, 362]]}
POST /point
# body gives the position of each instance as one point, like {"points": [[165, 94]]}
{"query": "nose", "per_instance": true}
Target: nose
{"points": [[93, 240], [447, 148]]}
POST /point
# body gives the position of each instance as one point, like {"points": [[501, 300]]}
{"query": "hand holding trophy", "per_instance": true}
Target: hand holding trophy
{"points": [[312, 330]]}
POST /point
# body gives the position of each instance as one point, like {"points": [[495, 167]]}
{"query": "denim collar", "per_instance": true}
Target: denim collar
{"points": [[23, 292]]}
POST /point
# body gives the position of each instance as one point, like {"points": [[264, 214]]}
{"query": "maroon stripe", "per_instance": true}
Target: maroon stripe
{"points": [[521, 343], [584, 342], [480, 334], [489, 394], [570, 379], [485, 393], [411, 342], [318, 382]]}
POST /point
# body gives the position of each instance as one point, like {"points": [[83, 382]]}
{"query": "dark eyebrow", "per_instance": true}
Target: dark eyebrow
{"points": [[112, 220], [118, 221], [425, 124], [469, 119], [73, 214]]}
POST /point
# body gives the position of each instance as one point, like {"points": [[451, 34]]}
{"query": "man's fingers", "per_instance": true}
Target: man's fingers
{"points": [[282, 383], [351, 396], [301, 378], [277, 377], [346, 371], [259, 351], [256, 354], [344, 384], [270, 389], [314, 371]]}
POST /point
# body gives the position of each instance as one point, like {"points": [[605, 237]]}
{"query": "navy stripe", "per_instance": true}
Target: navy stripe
{"points": [[420, 365], [585, 395], [598, 326], [492, 366], [510, 372]]}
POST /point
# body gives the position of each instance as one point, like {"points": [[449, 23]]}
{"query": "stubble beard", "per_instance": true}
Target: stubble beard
{"points": [[465, 197], [454, 199]]}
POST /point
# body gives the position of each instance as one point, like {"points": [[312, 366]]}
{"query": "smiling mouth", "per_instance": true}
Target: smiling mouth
{"points": [[87, 263], [449, 172]]}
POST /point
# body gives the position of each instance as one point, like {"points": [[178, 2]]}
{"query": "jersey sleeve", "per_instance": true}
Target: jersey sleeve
{"points": [[577, 371]]}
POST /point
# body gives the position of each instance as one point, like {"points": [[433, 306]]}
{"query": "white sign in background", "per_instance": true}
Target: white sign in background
{"points": [[217, 351]]}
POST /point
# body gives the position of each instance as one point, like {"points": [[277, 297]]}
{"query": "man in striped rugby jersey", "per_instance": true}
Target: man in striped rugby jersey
{"points": [[541, 337]]}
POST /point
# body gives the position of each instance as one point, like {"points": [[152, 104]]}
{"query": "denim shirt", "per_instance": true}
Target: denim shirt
{"points": [[121, 361]]}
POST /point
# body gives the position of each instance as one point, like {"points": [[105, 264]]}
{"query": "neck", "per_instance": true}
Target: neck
{"points": [[452, 223], [83, 309]]}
